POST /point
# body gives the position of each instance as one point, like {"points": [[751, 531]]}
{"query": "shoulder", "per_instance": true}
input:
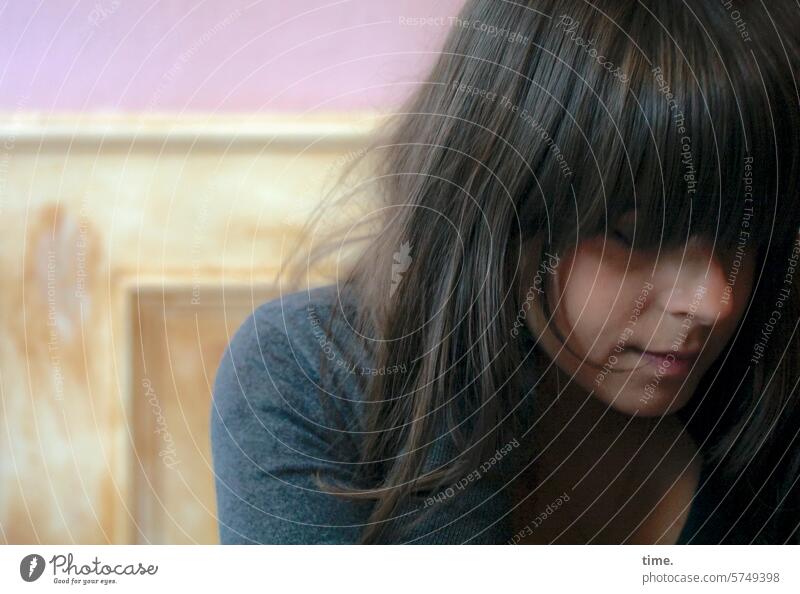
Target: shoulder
{"points": [[273, 359], [286, 323], [271, 432], [268, 379], [270, 436]]}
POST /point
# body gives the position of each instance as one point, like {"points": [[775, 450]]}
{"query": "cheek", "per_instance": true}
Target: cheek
{"points": [[740, 294], [592, 298]]}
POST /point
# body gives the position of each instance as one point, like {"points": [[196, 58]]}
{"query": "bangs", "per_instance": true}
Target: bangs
{"points": [[692, 170], [699, 140]]}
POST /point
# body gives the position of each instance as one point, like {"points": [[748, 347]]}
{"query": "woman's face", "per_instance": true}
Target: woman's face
{"points": [[625, 308]]}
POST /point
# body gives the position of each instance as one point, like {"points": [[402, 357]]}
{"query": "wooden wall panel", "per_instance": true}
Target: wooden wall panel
{"points": [[178, 343], [104, 215]]}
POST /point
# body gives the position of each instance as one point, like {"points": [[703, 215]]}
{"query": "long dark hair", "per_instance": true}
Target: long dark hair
{"points": [[553, 124]]}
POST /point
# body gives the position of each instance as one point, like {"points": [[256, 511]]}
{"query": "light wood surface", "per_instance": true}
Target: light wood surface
{"points": [[133, 248]]}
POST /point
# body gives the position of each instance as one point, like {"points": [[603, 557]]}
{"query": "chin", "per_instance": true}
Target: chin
{"points": [[660, 404]]}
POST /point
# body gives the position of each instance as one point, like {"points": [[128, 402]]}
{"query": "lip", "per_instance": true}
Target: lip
{"points": [[669, 363], [676, 354]]}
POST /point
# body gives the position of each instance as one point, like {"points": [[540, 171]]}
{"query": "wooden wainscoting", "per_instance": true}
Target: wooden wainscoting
{"points": [[112, 228], [179, 336]]}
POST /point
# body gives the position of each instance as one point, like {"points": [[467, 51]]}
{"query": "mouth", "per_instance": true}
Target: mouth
{"points": [[669, 363]]}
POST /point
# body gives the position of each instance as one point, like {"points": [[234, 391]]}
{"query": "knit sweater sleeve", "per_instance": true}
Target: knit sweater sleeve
{"points": [[270, 436], [268, 439]]}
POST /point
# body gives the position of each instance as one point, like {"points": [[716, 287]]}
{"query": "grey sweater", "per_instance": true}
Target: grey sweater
{"points": [[269, 436]]}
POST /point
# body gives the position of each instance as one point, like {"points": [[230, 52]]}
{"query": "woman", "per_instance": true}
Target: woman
{"points": [[573, 317]]}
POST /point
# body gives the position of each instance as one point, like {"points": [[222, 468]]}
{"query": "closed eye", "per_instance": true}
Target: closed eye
{"points": [[621, 237]]}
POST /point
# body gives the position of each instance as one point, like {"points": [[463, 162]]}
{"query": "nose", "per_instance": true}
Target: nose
{"points": [[694, 281]]}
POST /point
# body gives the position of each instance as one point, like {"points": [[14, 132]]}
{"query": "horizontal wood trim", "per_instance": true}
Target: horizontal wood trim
{"points": [[32, 128]]}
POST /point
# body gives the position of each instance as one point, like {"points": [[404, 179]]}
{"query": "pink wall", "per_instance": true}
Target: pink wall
{"points": [[213, 55]]}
